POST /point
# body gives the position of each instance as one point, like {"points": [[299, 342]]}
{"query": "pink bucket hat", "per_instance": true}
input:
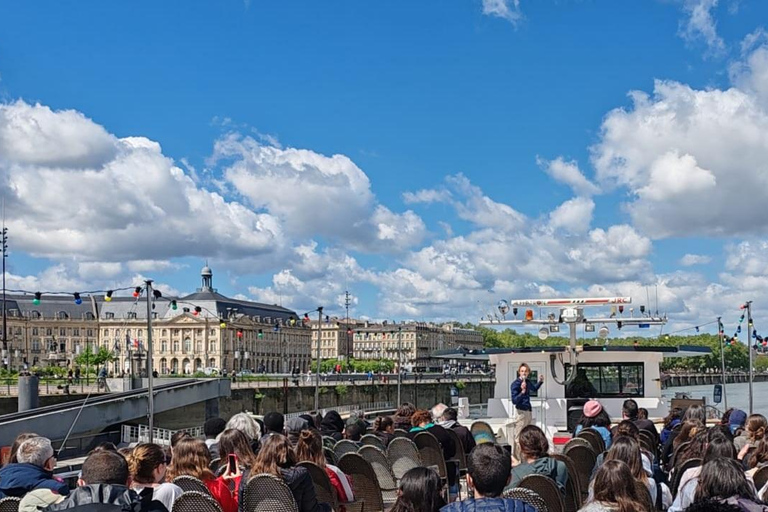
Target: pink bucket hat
{"points": [[592, 408]]}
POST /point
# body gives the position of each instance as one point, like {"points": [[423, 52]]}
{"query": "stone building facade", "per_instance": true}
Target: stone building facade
{"points": [[204, 330]]}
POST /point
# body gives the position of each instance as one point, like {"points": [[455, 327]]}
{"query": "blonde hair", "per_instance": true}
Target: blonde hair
{"points": [[523, 365]]}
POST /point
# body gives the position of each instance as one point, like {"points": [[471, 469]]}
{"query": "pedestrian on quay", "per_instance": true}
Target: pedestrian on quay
{"points": [[520, 392]]}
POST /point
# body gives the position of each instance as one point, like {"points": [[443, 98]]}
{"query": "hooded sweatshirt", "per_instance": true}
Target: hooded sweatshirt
{"points": [[20, 478], [547, 466], [332, 425]]}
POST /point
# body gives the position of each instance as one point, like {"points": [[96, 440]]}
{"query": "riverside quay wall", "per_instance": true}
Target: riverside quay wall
{"points": [[292, 398]]}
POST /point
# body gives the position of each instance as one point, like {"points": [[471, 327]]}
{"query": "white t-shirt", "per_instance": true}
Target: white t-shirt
{"points": [[166, 493]]}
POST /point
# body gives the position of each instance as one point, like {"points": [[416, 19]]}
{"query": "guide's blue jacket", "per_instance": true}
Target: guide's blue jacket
{"points": [[522, 400]]}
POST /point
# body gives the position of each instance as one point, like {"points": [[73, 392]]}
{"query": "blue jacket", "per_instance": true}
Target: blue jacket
{"points": [[488, 505], [18, 479], [522, 400]]}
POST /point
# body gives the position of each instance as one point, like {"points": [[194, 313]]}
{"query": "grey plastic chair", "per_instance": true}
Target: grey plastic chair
{"points": [[372, 440], [344, 447], [193, 501], [528, 496], [403, 455], [547, 489], [190, 483], [364, 481], [268, 493], [9, 504], [383, 471]]}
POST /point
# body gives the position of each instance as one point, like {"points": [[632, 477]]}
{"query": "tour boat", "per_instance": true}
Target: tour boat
{"points": [[575, 373]]}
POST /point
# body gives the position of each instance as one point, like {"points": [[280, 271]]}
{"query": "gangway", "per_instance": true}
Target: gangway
{"points": [[54, 421]]}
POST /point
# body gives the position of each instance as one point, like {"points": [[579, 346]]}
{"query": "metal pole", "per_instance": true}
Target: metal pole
{"points": [[317, 373], [5, 255], [749, 346], [399, 363], [150, 395], [722, 360]]}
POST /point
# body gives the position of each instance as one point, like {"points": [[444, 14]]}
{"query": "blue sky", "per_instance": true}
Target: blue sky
{"points": [[418, 154]]}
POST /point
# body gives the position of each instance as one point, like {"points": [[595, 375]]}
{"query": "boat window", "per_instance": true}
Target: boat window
{"points": [[606, 380]]}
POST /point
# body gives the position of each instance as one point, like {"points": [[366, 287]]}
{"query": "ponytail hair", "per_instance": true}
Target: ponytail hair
{"points": [[143, 460], [309, 447]]}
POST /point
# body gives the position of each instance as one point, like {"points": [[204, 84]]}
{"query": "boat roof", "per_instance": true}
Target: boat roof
{"points": [[483, 354]]}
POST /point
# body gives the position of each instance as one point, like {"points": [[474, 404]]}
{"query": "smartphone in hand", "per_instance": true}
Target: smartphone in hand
{"points": [[232, 463]]}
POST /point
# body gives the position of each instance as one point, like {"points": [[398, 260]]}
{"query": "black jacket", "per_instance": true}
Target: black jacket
{"points": [[108, 498], [385, 436]]}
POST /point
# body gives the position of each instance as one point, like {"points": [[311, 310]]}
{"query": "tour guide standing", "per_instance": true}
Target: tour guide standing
{"points": [[521, 388]]}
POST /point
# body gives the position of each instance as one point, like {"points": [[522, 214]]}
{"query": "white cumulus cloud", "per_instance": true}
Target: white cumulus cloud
{"points": [[569, 174], [690, 260], [700, 24], [505, 9]]}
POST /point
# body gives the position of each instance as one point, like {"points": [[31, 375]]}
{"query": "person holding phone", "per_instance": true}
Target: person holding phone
{"points": [[237, 459], [521, 398]]}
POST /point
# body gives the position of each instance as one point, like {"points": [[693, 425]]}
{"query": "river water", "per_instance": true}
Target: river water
{"points": [[737, 394]]}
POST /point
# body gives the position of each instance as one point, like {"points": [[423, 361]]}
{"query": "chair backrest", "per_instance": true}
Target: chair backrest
{"points": [[594, 438], [680, 449], [329, 442], [482, 432], [580, 441], [190, 483], [547, 489], [528, 496], [461, 456], [381, 467], [674, 486], [373, 440], [572, 499], [344, 447], [400, 433], [9, 504], [584, 461], [330, 455], [193, 501], [760, 478], [431, 452], [364, 481], [403, 455], [325, 491], [268, 493]]}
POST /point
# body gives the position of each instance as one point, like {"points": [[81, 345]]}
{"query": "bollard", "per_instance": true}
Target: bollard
{"points": [[28, 392]]}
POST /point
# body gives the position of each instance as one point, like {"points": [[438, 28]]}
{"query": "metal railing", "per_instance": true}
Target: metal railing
{"points": [[140, 434]]}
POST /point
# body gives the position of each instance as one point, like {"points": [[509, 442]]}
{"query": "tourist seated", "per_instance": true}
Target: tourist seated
{"points": [[694, 448], [754, 431], [534, 451], [402, 416], [629, 411], [236, 444], [293, 428], [191, 457], [249, 426], [421, 421], [642, 413], [420, 490], [713, 506], [104, 480], [694, 413], [723, 479], [310, 448], [277, 457], [717, 447], [627, 450], [615, 490], [594, 416], [332, 426], [176, 437], [449, 419], [488, 473], [212, 428], [384, 429], [737, 420], [274, 423], [147, 467], [312, 420], [34, 470], [672, 420], [11, 456]]}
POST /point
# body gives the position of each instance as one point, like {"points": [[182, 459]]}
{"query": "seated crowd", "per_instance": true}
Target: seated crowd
{"points": [[688, 465]]}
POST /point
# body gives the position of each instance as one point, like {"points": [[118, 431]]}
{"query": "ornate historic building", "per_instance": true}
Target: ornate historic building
{"points": [[192, 333]]}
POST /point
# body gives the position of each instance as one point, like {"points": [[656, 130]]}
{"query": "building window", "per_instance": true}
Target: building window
{"points": [[49, 332], [75, 331], [89, 332], [164, 346], [175, 345], [109, 315], [62, 331], [34, 331], [187, 345]]}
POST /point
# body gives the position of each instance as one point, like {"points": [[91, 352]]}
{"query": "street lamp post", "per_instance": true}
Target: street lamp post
{"points": [[399, 363], [317, 373]]}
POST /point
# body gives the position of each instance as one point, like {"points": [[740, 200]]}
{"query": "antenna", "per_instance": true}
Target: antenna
{"points": [[657, 300], [648, 298]]}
